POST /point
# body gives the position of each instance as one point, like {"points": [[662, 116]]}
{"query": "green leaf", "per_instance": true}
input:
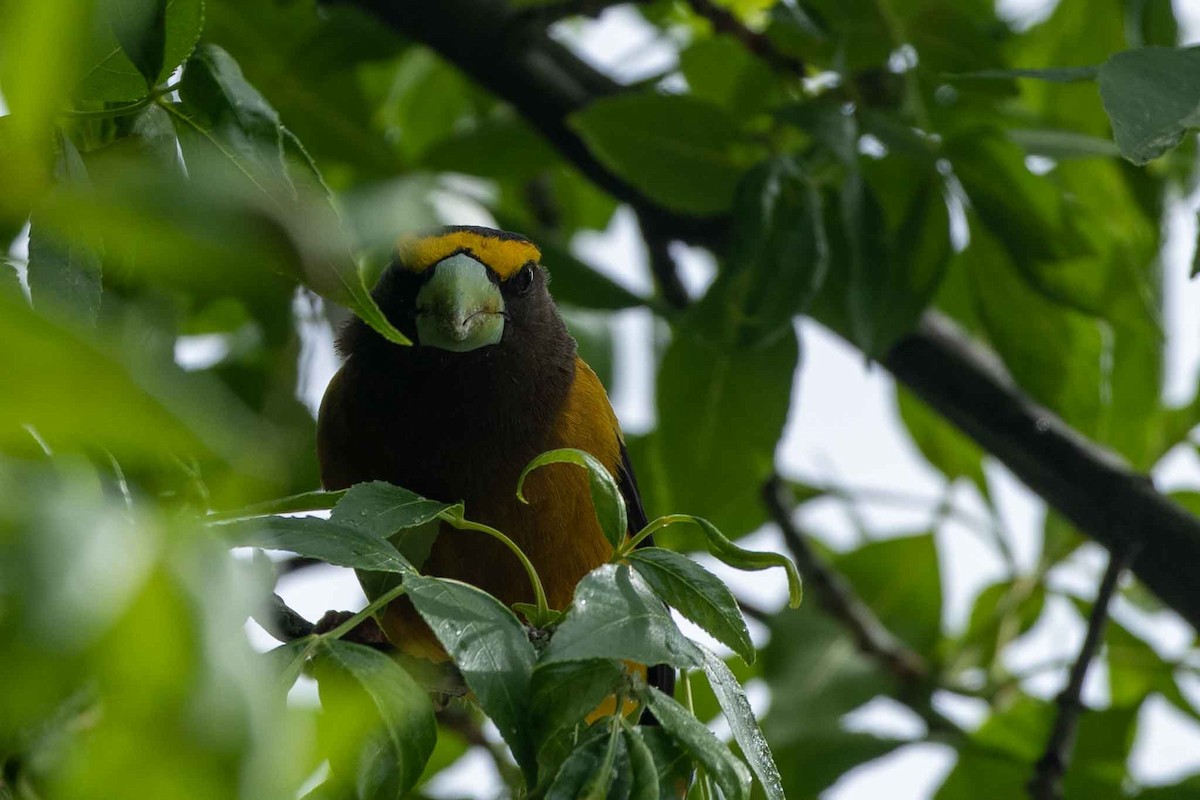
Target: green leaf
{"points": [[334, 543], [730, 774], [616, 615], [401, 730], [1007, 609], [1152, 97], [890, 229], [64, 266], [565, 693], [900, 580], [672, 763], [780, 254], [1183, 790], [743, 724], [228, 129], [583, 774], [306, 501], [729, 553], [140, 27], [681, 151], [641, 762], [383, 508], [722, 71], [110, 76], [697, 594], [607, 501], [721, 411], [491, 650]]}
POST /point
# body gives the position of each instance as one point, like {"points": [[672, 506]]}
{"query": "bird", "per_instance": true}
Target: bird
{"points": [[492, 379]]}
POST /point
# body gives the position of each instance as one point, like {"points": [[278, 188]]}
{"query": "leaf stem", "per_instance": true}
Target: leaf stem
{"points": [[656, 525], [121, 111], [372, 607], [544, 614]]}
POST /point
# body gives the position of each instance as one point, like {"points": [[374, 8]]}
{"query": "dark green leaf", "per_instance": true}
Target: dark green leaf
{"points": [[641, 762], [682, 152], [616, 615], [334, 543], [780, 251], [607, 501], [744, 726], [583, 774], [401, 731], [64, 266], [673, 765], [110, 76], [1183, 790], [491, 650], [1152, 96], [565, 693], [697, 594], [140, 27], [383, 509], [730, 774]]}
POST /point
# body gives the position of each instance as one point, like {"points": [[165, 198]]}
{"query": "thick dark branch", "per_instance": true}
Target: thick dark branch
{"points": [[279, 620], [1046, 783], [1099, 494], [1090, 486], [838, 598]]}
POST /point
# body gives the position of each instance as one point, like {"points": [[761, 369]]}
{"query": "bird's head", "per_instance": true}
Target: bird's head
{"points": [[462, 289]]}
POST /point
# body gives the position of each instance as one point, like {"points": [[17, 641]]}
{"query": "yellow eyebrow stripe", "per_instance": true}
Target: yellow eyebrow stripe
{"points": [[504, 254]]}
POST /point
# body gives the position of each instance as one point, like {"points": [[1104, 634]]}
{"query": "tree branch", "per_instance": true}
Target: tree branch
{"points": [[837, 596], [662, 263], [1092, 488], [279, 620], [1046, 783], [724, 21]]}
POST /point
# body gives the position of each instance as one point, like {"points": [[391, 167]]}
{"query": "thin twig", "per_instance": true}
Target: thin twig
{"points": [[1046, 783], [724, 21], [838, 598]]}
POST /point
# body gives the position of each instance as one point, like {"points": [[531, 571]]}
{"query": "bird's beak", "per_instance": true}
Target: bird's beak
{"points": [[459, 308]]}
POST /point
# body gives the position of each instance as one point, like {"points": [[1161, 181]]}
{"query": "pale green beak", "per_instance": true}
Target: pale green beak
{"points": [[460, 309]]}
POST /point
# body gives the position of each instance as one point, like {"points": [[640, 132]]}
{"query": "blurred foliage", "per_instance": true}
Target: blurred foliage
{"points": [[222, 178]]}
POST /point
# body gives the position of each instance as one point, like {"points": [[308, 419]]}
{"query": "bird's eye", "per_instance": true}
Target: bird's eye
{"points": [[522, 282]]}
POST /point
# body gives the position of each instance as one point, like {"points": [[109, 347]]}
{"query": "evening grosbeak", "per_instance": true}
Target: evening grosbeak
{"points": [[492, 380]]}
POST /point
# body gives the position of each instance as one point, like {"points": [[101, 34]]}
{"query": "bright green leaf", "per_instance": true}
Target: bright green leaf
{"points": [[110, 76], [682, 152], [140, 27], [616, 615], [744, 726], [697, 594], [400, 734], [607, 501], [491, 650], [334, 543], [730, 774]]}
